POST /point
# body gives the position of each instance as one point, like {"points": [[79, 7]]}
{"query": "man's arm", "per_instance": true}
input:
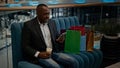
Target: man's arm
{"points": [[26, 37]]}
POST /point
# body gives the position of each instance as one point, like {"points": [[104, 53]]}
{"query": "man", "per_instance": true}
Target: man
{"points": [[40, 35]]}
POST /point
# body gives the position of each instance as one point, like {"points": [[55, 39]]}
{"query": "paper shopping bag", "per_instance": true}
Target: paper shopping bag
{"points": [[79, 28], [72, 41], [90, 41], [83, 36], [83, 43]]}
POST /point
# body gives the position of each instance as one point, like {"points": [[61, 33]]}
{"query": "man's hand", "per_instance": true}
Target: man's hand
{"points": [[61, 38], [44, 55]]}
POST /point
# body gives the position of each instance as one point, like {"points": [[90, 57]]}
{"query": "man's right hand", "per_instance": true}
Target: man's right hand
{"points": [[44, 55], [61, 38]]}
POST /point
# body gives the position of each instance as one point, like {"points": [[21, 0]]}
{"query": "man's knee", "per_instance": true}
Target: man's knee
{"points": [[25, 64]]}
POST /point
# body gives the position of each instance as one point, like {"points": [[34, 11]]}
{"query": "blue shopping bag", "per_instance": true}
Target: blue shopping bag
{"points": [[83, 43]]}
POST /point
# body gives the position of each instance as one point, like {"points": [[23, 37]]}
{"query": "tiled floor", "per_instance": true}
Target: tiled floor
{"points": [[6, 58], [116, 65]]}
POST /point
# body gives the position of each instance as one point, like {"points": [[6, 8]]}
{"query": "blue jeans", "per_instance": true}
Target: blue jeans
{"points": [[25, 64], [58, 59]]}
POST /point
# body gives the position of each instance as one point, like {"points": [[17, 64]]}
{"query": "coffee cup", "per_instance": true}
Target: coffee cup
{"points": [[49, 50]]}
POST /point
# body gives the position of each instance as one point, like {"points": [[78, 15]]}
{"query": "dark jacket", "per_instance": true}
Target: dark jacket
{"points": [[32, 39]]}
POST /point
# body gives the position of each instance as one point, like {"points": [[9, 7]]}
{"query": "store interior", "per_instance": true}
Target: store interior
{"points": [[89, 13]]}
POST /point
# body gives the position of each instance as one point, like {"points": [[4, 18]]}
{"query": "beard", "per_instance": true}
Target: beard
{"points": [[45, 21]]}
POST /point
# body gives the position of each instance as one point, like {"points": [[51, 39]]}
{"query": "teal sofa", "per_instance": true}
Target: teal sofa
{"points": [[86, 59]]}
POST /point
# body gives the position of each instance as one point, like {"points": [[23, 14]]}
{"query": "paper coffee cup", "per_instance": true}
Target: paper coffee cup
{"points": [[49, 50]]}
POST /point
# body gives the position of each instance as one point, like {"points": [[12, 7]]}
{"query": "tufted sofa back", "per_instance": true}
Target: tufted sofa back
{"points": [[66, 22]]}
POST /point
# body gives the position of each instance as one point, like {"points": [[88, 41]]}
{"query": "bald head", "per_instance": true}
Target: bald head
{"points": [[40, 6], [43, 13]]}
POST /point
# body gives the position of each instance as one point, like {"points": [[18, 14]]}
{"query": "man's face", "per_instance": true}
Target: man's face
{"points": [[43, 14]]}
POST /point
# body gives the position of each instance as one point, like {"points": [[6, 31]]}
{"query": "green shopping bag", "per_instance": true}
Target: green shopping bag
{"points": [[72, 41]]}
